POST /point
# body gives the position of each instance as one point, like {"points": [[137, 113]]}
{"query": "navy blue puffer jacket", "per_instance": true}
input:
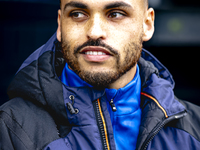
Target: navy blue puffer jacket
{"points": [[37, 118]]}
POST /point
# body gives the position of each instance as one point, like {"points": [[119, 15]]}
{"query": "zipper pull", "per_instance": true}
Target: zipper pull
{"points": [[114, 109], [70, 108]]}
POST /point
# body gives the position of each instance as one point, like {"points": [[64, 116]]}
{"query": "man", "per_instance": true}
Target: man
{"points": [[93, 87]]}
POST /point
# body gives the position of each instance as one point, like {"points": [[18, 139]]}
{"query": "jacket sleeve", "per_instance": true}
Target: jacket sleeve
{"points": [[12, 136]]}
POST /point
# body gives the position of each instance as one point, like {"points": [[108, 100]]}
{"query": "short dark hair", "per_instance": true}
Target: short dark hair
{"points": [[146, 1]]}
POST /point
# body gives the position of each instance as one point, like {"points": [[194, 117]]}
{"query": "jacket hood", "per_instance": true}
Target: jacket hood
{"points": [[37, 81], [158, 82]]}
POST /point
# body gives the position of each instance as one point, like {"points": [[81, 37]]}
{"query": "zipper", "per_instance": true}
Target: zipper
{"points": [[102, 125], [159, 127]]}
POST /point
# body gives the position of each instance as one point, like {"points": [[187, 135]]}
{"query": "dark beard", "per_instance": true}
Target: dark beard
{"points": [[102, 80]]}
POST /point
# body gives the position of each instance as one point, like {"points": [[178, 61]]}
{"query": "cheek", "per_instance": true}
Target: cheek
{"points": [[73, 34], [124, 33], [121, 40], [124, 40]]}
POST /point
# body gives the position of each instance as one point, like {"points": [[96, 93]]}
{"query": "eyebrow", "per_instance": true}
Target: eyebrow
{"points": [[76, 4], [117, 4], [108, 6]]}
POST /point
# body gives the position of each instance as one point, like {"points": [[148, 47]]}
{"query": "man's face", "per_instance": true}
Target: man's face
{"points": [[101, 40]]}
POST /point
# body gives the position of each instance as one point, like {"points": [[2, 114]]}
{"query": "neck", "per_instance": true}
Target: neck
{"points": [[124, 80]]}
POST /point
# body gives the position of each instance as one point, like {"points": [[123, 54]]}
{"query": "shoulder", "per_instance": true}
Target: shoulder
{"points": [[27, 122], [28, 115], [14, 108], [18, 109], [183, 133], [25, 113], [191, 122], [174, 138]]}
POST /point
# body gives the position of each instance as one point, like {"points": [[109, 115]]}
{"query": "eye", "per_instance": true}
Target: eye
{"points": [[78, 16], [116, 15]]}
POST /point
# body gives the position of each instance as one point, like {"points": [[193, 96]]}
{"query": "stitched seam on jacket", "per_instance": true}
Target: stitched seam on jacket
{"points": [[10, 118]]}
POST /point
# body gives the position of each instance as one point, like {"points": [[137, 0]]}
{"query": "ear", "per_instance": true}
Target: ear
{"points": [[59, 26], [148, 24]]}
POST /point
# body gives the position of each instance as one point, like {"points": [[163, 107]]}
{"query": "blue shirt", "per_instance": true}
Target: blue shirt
{"points": [[126, 120]]}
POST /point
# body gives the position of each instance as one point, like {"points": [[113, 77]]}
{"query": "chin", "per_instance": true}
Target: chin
{"points": [[97, 69]]}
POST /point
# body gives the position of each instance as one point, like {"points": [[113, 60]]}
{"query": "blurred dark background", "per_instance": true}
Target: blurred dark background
{"points": [[25, 25]]}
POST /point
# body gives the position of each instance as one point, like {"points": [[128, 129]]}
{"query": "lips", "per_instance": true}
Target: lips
{"points": [[95, 54], [95, 50]]}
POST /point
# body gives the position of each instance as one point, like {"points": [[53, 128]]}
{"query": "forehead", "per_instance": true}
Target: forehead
{"points": [[102, 3]]}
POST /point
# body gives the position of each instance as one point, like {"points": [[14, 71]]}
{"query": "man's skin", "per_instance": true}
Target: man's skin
{"points": [[120, 26]]}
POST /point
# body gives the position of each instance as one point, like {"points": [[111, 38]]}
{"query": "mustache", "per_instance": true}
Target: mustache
{"points": [[97, 42]]}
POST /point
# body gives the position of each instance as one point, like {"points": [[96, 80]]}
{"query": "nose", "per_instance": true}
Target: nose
{"points": [[96, 28]]}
